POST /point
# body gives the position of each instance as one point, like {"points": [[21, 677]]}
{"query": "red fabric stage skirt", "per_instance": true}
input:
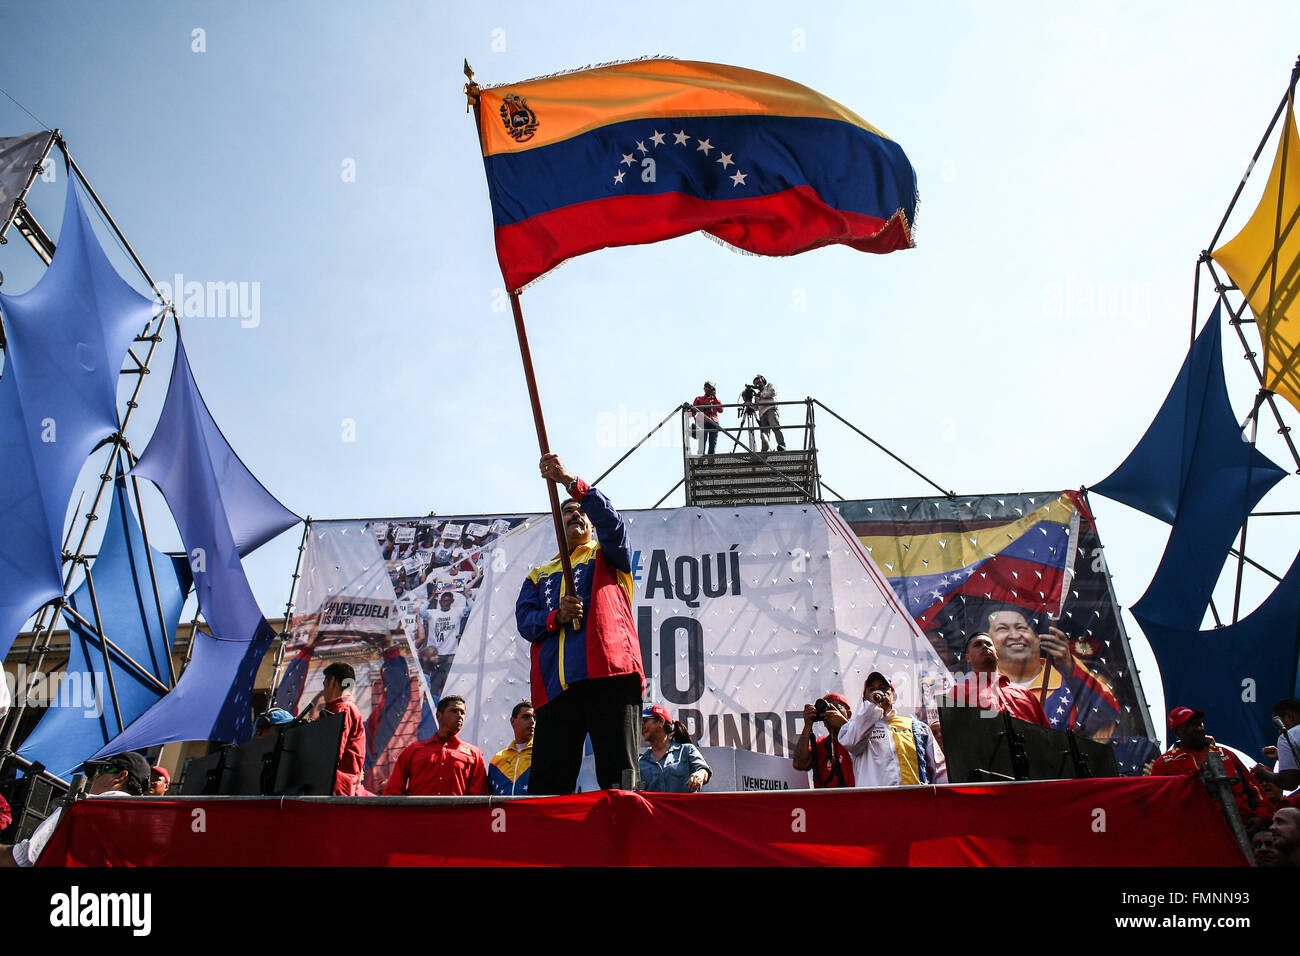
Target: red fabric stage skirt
{"points": [[1143, 821]]}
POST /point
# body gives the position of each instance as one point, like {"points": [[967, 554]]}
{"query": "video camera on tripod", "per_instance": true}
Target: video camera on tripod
{"points": [[747, 413]]}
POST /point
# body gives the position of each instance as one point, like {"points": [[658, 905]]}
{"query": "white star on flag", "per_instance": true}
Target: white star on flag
{"points": [[725, 160], [704, 146], [619, 177], [628, 159], [681, 137], [657, 138], [640, 145], [738, 179]]}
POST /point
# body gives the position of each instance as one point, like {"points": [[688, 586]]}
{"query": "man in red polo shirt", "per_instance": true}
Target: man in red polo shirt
{"points": [[340, 678], [1189, 757], [990, 690], [443, 765]]}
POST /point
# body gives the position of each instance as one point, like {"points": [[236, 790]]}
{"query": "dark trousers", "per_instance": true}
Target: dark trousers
{"points": [[710, 443], [770, 421], [607, 708]]}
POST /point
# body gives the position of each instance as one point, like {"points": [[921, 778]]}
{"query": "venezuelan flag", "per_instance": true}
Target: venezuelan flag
{"points": [[653, 149], [1022, 562]]}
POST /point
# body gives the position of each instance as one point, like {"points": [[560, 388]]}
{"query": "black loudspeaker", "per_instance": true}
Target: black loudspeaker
{"points": [[298, 760], [32, 798], [982, 746], [310, 758]]}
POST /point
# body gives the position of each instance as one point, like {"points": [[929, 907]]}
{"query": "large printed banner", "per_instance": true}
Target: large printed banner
{"points": [[391, 598], [744, 614], [1014, 566]]}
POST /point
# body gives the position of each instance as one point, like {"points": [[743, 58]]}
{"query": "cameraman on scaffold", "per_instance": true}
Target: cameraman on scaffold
{"points": [[769, 417]]}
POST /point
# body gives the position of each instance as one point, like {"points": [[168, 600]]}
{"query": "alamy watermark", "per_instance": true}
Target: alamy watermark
{"points": [[83, 690], [625, 426], [215, 300]]}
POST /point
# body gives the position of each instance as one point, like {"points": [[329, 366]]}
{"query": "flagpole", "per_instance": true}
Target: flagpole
{"points": [[525, 355]]}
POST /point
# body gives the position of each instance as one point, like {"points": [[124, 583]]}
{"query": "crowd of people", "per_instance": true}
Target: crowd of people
{"points": [[879, 748], [587, 682]]}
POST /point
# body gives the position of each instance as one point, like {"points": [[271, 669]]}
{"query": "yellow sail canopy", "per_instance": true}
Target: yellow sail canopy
{"points": [[1264, 262]]}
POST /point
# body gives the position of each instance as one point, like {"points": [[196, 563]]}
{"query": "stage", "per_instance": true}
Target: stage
{"points": [[1139, 822]]}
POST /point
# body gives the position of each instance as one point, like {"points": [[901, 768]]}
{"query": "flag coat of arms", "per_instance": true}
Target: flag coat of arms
{"points": [[653, 149]]}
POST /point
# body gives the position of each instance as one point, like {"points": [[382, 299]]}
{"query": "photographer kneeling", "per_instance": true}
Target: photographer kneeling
{"points": [[830, 763]]}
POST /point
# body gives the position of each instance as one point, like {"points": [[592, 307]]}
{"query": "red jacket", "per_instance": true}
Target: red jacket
{"points": [[352, 748], [1249, 795], [607, 644]]}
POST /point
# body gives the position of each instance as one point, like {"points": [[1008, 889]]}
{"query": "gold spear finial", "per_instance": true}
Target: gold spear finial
{"points": [[471, 88]]}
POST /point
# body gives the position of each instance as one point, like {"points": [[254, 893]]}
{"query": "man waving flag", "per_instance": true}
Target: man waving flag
{"points": [[653, 149]]}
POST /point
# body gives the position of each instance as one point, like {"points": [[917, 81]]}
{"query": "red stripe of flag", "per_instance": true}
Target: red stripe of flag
{"points": [[778, 224], [997, 581]]}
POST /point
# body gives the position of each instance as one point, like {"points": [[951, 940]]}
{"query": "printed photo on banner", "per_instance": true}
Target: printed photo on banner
{"points": [[435, 568], [359, 632], [1028, 570], [390, 598]]}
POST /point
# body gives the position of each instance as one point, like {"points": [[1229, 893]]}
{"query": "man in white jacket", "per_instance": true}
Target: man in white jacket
{"points": [[888, 749]]}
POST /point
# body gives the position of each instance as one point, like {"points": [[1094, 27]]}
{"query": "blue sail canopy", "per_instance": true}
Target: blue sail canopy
{"points": [[213, 501], [1193, 468], [255, 515], [213, 700], [66, 339], [1235, 673], [1193, 447], [191, 463], [81, 718]]}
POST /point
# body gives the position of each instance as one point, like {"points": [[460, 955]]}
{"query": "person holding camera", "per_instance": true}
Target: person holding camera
{"points": [[830, 763], [707, 406], [888, 749], [769, 417]]}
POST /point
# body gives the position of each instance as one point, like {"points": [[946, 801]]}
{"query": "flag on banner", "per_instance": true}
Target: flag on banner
{"points": [[1023, 562], [954, 563], [653, 149]]}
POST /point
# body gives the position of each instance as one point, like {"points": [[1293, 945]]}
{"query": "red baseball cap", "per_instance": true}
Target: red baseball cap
{"points": [[839, 699], [657, 710], [161, 772], [1181, 715]]}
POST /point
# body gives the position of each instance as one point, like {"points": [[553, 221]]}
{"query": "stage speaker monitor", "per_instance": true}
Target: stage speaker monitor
{"points": [[206, 776], [309, 757], [246, 770], [33, 798], [974, 741], [252, 769]]}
